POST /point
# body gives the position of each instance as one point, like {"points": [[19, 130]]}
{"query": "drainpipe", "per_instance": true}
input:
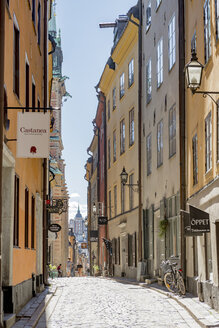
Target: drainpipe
{"points": [[182, 127], [45, 162], [2, 52], [139, 132]]}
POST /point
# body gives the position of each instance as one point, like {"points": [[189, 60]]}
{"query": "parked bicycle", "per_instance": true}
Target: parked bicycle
{"points": [[173, 278]]}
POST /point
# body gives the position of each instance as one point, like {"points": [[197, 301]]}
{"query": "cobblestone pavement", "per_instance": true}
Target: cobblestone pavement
{"points": [[89, 302]]}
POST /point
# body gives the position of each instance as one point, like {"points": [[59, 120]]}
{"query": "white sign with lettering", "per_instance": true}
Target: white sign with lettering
{"points": [[33, 135]]}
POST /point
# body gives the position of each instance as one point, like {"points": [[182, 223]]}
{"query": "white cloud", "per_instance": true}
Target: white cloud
{"points": [[75, 195], [73, 208]]}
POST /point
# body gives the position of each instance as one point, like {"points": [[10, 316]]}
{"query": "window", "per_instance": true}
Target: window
{"points": [[27, 85], [131, 181], [208, 143], [115, 200], [160, 143], [108, 105], [148, 15], [131, 72], [16, 211], [159, 63], [122, 85], [16, 59], [172, 131], [33, 11], [122, 198], [149, 154], [109, 154], [172, 42], [195, 158], [130, 251], [158, 2], [32, 222], [217, 18], [39, 24], [218, 132], [33, 96], [114, 146], [8, 2], [26, 217], [131, 128], [38, 104], [207, 30], [148, 81], [110, 205], [118, 250], [114, 98], [122, 136]]}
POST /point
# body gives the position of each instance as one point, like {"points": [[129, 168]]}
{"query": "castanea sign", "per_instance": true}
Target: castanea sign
{"points": [[33, 135]]}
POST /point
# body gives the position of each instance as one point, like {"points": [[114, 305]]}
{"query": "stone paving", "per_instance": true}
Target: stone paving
{"points": [[89, 302]]}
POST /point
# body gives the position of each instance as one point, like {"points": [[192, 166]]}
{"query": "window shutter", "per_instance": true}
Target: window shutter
{"points": [[126, 249], [118, 251], [134, 257]]}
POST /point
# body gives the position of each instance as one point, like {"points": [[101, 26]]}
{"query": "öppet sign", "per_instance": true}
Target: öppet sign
{"points": [[199, 220], [33, 135]]}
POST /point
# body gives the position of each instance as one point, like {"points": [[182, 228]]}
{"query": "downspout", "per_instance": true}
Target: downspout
{"points": [[182, 127], [139, 132], [105, 175], [45, 161], [2, 53]]}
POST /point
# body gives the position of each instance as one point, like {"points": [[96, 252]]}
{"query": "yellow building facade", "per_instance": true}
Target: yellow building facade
{"points": [[202, 133], [22, 178], [120, 87]]}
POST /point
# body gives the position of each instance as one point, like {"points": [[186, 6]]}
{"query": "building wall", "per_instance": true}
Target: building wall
{"points": [[202, 252], [160, 186]]}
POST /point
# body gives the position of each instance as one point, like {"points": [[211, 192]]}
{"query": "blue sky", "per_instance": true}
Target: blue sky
{"points": [[86, 49]]}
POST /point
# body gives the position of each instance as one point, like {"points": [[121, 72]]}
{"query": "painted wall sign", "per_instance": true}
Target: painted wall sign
{"points": [[199, 220], [33, 135], [54, 227]]}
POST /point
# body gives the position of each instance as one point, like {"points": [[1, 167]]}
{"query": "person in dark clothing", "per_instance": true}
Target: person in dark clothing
{"points": [[59, 270]]}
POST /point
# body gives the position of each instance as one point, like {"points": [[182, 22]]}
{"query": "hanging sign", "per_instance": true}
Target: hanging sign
{"points": [[54, 227], [199, 220], [33, 135], [102, 220]]}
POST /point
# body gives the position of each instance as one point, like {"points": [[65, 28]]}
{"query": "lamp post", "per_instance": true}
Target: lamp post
{"points": [[193, 71], [124, 179]]}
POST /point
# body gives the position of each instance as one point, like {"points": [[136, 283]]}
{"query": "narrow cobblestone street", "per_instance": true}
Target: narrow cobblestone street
{"points": [[102, 303]]}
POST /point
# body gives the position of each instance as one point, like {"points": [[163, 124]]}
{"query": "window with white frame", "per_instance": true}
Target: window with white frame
{"points": [[122, 136], [110, 205], [131, 192], [217, 18], [16, 59], [114, 145], [148, 15], [172, 42], [131, 72], [160, 63], [172, 131], [195, 158], [131, 127], [122, 198], [149, 154], [148, 81], [114, 98], [109, 154], [160, 143], [122, 85], [207, 30], [115, 200], [208, 143]]}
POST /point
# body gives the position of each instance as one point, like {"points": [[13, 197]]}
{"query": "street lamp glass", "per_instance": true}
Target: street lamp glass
{"points": [[94, 209], [124, 176], [193, 72]]}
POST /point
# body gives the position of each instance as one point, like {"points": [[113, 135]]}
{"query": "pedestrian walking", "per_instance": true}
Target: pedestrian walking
{"points": [[59, 269], [79, 267], [68, 267]]}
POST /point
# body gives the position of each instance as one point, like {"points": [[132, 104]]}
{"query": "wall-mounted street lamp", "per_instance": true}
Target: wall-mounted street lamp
{"points": [[193, 71], [124, 179], [94, 209]]}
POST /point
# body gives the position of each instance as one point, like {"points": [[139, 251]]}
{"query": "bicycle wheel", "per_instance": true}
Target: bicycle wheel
{"points": [[170, 282], [180, 285]]}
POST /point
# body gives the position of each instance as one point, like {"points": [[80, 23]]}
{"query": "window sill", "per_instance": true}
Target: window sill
{"points": [[16, 247], [149, 173], [172, 155], [148, 28], [158, 6], [121, 97], [170, 69], [159, 165], [148, 101], [129, 87], [159, 86], [131, 145], [208, 63]]}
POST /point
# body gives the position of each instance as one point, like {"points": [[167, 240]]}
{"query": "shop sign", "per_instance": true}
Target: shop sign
{"points": [[33, 135], [94, 235], [83, 245], [54, 227], [199, 220], [102, 220]]}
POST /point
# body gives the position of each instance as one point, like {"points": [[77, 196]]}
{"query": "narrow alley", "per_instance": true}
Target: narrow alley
{"points": [[99, 303]]}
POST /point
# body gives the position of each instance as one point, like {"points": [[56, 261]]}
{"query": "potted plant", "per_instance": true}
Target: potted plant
{"points": [[163, 224]]}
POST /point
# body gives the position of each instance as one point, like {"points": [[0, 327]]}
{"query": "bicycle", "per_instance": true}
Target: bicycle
{"points": [[173, 278]]}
